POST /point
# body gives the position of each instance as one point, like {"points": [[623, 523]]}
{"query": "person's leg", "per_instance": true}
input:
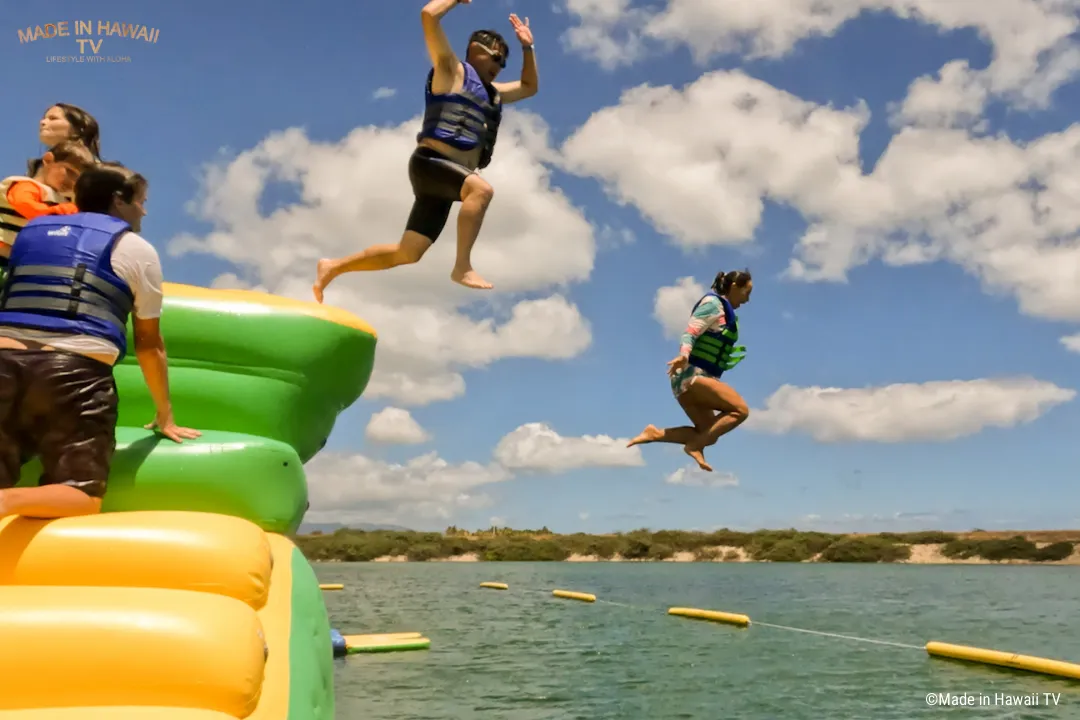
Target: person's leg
{"points": [[11, 451], [437, 183], [680, 382], [71, 403], [708, 395], [476, 195]]}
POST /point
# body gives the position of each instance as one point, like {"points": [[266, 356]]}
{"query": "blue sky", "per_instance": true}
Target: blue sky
{"points": [[601, 202]]}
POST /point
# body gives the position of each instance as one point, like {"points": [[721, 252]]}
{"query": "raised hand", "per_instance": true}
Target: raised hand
{"points": [[521, 29]]}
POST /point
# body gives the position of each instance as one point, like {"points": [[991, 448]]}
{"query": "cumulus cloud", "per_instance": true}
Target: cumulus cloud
{"points": [[1034, 52], [1071, 343], [355, 193], [1007, 212], [395, 426], [693, 476], [383, 93], [927, 412], [349, 488], [672, 304], [352, 488], [537, 447]]}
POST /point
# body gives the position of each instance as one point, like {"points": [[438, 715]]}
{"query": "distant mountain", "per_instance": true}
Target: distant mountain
{"points": [[327, 528]]}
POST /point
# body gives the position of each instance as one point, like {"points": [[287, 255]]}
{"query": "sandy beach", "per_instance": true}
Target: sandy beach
{"points": [[920, 555]]}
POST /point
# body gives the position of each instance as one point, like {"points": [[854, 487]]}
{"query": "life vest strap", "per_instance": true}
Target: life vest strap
{"points": [[71, 306], [77, 275]]}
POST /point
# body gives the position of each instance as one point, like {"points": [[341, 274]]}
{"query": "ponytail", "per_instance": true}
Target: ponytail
{"points": [[725, 280]]}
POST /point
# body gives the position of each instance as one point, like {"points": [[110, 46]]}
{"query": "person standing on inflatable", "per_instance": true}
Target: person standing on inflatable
{"points": [[73, 281], [707, 349], [463, 109]]}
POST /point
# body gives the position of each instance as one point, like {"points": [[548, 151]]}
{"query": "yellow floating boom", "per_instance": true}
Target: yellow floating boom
{"points": [[571, 595], [495, 585], [331, 586], [1005, 659], [711, 615]]}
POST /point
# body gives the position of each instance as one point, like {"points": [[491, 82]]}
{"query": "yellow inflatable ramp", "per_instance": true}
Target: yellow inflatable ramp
{"points": [[155, 614]]}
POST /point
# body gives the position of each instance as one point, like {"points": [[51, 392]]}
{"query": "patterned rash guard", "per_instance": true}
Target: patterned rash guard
{"points": [[709, 314]]}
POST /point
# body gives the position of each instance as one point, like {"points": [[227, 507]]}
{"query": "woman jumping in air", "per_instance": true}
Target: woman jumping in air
{"points": [[707, 348]]}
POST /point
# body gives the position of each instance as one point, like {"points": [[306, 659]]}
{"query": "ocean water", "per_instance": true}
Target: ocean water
{"points": [[522, 654]]}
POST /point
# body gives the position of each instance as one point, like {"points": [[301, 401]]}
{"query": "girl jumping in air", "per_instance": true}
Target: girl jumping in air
{"points": [[707, 348]]}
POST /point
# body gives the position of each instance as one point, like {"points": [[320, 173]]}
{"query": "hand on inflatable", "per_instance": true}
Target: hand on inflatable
{"points": [[168, 427], [524, 34], [676, 365]]}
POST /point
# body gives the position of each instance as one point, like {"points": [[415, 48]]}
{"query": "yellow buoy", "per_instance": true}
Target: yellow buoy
{"points": [[387, 642], [495, 585], [571, 595], [711, 615], [1005, 659], [332, 586]]}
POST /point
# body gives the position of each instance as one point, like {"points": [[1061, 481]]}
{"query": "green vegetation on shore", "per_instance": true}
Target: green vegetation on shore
{"points": [[505, 544]]}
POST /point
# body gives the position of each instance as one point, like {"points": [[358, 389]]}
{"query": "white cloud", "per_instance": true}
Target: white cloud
{"points": [[395, 426], [928, 412], [383, 93], [356, 193], [497, 521], [583, 516], [1006, 212], [354, 488], [693, 476], [672, 305], [1033, 53], [535, 446], [1071, 343]]}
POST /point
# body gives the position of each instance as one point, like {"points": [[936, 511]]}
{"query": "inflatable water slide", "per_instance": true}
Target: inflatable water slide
{"points": [[185, 599]]}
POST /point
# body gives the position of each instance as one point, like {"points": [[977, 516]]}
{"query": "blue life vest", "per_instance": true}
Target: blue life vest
{"points": [[60, 279], [715, 350], [466, 119]]}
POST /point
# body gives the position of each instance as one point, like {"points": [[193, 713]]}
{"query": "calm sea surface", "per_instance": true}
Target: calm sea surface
{"points": [[524, 655]]}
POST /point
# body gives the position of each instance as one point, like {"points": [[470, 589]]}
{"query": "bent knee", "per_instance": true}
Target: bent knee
{"points": [[740, 412], [479, 190], [409, 253]]}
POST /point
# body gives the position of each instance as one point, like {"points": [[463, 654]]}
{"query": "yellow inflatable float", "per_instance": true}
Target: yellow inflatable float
{"points": [[185, 599]]}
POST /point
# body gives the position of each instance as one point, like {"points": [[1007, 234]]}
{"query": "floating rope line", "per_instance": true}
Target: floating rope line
{"points": [[837, 635]]}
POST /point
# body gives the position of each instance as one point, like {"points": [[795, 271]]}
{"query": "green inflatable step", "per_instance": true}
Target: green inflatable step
{"points": [[256, 364], [256, 478]]}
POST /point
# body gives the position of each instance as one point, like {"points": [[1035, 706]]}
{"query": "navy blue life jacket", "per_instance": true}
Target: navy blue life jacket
{"points": [[60, 278], [466, 119]]}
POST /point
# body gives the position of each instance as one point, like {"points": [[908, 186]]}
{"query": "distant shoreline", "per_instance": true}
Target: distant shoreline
{"points": [[920, 555], [1060, 547]]}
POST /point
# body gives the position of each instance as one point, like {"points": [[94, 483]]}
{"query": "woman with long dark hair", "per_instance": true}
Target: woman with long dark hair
{"points": [[708, 348]]}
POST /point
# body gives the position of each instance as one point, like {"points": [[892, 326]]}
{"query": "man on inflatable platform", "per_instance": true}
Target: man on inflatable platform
{"points": [[463, 109], [72, 282]]}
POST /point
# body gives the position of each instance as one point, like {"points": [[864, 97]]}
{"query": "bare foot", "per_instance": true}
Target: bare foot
{"points": [[651, 433], [470, 279], [322, 278], [699, 457]]}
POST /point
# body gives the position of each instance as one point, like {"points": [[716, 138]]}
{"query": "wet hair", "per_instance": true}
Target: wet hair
{"points": [[84, 128], [74, 153], [726, 280], [490, 39], [98, 186]]}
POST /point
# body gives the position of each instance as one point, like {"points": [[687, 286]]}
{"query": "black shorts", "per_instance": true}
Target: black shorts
{"points": [[63, 407], [436, 182]]}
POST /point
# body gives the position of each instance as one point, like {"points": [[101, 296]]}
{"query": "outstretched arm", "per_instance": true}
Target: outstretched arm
{"points": [[442, 55], [529, 84]]}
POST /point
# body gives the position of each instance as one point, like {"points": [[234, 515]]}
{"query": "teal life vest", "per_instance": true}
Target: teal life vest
{"points": [[715, 350]]}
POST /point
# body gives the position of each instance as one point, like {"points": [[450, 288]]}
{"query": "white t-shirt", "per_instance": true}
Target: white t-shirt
{"points": [[137, 263]]}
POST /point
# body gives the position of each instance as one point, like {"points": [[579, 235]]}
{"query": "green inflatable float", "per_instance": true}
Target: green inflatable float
{"points": [[264, 378]]}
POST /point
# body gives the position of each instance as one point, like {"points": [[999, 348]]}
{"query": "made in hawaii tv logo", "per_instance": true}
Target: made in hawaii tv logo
{"points": [[88, 37]]}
